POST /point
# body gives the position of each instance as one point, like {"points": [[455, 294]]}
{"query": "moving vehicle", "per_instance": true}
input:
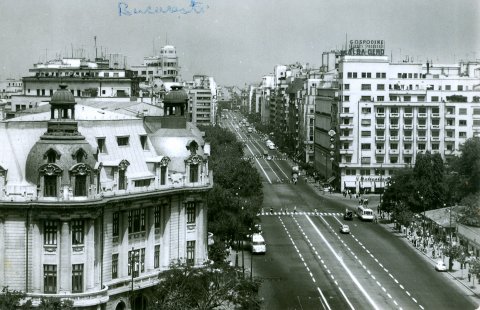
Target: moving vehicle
{"points": [[265, 153], [295, 172], [364, 213], [271, 146], [249, 129], [348, 215], [440, 266], [269, 157], [344, 229], [258, 244]]}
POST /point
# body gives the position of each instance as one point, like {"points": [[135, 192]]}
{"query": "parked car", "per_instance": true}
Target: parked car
{"points": [[344, 229], [440, 266], [258, 244]]}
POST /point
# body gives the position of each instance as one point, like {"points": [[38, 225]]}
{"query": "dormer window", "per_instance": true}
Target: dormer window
{"points": [[193, 173], [79, 156], [51, 156], [122, 141], [50, 175], [80, 174]]}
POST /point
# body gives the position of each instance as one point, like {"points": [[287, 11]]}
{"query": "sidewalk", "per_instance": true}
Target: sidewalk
{"points": [[457, 275]]}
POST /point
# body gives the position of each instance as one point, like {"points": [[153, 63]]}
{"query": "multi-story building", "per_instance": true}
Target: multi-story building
{"points": [[164, 66], [203, 100], [389, 112], [10, 87], [95, 204]]}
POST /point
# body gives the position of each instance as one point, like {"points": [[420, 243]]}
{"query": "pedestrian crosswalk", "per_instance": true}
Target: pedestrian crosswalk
{"points": [[265, 157], [312, 213]]}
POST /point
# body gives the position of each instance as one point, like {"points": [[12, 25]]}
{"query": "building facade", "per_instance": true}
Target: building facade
{"points": [[389, 112], [94, 205]]}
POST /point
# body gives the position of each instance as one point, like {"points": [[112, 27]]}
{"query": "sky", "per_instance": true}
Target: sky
{"points": [[236, 42]]}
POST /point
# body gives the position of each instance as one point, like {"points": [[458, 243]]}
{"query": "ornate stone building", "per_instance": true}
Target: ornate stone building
{"points": [[95, 204]]}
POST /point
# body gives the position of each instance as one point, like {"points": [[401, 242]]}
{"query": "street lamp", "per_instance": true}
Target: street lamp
{"points": [[132, 270], [423, 220]]}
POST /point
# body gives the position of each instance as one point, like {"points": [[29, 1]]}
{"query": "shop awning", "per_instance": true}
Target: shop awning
{"points": [[329, 180]]}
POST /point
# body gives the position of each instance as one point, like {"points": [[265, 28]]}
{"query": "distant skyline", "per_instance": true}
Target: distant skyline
{"points": [[236, 42]]}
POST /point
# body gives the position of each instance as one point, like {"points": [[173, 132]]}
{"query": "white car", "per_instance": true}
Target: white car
{"points": [[269, 157], [344, 229], [440, 266]]}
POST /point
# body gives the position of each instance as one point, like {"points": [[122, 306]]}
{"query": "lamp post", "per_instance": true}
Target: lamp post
{"points": [[132, 270], [423, 219]]}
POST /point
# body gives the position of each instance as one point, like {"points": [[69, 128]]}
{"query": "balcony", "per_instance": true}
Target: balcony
{"points": [[451, 139], [87, 299], [346, 115], [435, 126], [380, 152], [449, 152], [346, 151], [422, 115], [422, 127], [380, 138], [379, 126], [407, 115], [393, 152], [421, 138], [449, 115], [407, 139], [449, 126], [407, 126], [346, 126], [394, 138], [435, 151], [435, 139], [380, 114], [394, 114], [346, 138], [396, 126], [435, 115], [407, 152]]}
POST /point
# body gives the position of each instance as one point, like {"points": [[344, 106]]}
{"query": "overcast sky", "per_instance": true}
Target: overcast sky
{"points": [[236, 42]]}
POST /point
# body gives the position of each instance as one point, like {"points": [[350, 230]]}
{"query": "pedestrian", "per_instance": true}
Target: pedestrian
{"points": [[295, 210], [271, 210], [469, 277]]}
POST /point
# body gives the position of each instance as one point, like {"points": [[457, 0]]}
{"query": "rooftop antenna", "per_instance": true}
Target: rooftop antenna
{"points": [[95, 40]]}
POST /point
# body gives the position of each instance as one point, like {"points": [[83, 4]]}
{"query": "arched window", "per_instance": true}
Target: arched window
{"points": [[164, 170], [80, 174], [122, 169], [79, 156], [50, 174], [51, 156]]}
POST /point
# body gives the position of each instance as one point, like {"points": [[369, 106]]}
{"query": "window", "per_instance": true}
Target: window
{"points": [[462, 134], [366, 87], [101, 145], [346, 98], [366, 122], [122, 141], [51, 156], [380, 86], [421, 98], [50, 279], [346, 86], [394, 146], [460, 87], [407, 98], [365, 146], [50, 233], [476, 122], [77, 232], [77, 278], [349, 75], [380, 98], [114, 266], [365, 160], [50, 186], [142, 183], [407, 146], [115, 224], [366, 133], [144, 142], [434, 98], [122, 184], [421, 146], [462, 111], [191, 212], [462, 122], [134, 260], [365, 98], [193, 173], [156, 257], [366, 110], [435, 146], [448, 87], [136, 220], [163, 175], [80, 185], [190, 253], [476, 111], [156, 216]]}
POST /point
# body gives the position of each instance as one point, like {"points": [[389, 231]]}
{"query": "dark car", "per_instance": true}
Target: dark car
{"points": [[348, 215]]}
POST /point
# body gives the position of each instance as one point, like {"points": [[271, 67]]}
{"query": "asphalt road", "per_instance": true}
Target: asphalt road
{"points": [[310, 265]]}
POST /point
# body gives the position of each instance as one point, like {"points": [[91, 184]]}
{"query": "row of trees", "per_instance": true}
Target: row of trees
{"points": [[433, 183]]}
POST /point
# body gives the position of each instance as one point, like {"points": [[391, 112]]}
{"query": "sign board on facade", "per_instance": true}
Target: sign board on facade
{"points": [[366, 48]]}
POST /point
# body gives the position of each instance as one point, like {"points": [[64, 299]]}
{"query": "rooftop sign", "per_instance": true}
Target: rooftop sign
{"points": [[366, 48]]}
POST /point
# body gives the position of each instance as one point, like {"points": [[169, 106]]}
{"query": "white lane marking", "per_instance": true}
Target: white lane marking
{"points": [[323, 297], [354, 279]]}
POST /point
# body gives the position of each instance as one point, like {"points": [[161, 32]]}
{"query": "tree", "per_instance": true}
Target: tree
{"points": [[53, 303], [474, 268], [429, 176], [184, 287], [453, 252], [12, 299], [469, 214], [468, 167], [402, 214]]}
